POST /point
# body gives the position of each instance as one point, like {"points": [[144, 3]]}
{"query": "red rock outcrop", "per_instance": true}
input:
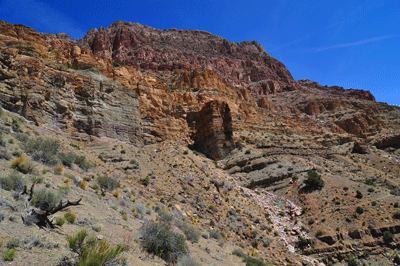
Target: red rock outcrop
{"points": [[336, 90], [383, 142], [214, 130], [245, 64]]}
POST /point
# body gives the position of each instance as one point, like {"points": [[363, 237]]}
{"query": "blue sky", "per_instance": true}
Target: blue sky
{"points": [[354, 44]]}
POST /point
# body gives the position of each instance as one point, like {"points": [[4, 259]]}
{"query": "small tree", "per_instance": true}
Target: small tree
{"points": [[314, 180]]}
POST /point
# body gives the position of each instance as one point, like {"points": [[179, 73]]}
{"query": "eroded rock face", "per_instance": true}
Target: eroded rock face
{"points": [[83, 103], [245, 64], [383, 142], [339, 91], [214, 130]]}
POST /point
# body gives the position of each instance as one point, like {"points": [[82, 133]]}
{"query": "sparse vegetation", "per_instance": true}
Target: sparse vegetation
{"points": [[12, 182], [158, 239], [22, 164], [107, 183], [9, 254], [352, 262], [45, 199], [94, 252], [70, 217], [388, 237]]}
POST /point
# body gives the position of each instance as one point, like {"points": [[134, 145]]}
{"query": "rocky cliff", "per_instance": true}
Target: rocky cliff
{"points": [[245, 64]]}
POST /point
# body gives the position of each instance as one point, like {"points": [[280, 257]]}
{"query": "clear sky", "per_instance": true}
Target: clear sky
{"points": [[350, 43]]}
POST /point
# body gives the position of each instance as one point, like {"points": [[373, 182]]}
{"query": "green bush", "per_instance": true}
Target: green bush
{"points": [[42, 150], [359, 210], [9, 254], [314, 180], [252, 261], [107, 183], [387, 237], [45, 199], [70, 217], [352, 262], [67, 159], [159, 240], [146, 181], [82, 163], [94, 252], [60, 221], [12, 182], [359, 194]]}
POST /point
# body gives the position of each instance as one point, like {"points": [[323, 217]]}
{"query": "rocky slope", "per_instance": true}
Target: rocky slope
{"points": [[179, 92]]}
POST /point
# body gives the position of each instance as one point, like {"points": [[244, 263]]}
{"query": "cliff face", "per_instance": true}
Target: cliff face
{"points": [[245, 64], [214, 135], [82, 103]]}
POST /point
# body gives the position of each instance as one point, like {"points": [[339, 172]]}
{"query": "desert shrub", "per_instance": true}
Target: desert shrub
{"points": [[159, 240], [70, 217], [239, 253], [370, 182], [359, 194], [252, 261], [146, 181], [82, 163], [191, 232], [319, 233], [303, 241], [67, 159], [352, 262], [314, 180], [13, 243], [267, 242], [75, 242], [387, 237], [60, 221], [107, 183], [254, 243], [96, 228], [165, 216], [396, 205], [45, 199], [42, 150], [12, 182], [94, 252], [22, 164], [215, 234], [360, 210], [9, 254]]}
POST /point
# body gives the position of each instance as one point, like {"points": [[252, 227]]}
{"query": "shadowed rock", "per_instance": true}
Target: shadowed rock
{"points": [[214, 130]]}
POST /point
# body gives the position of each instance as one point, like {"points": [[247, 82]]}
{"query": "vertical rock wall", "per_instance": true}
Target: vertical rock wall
{"points": [[214, 130]]}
